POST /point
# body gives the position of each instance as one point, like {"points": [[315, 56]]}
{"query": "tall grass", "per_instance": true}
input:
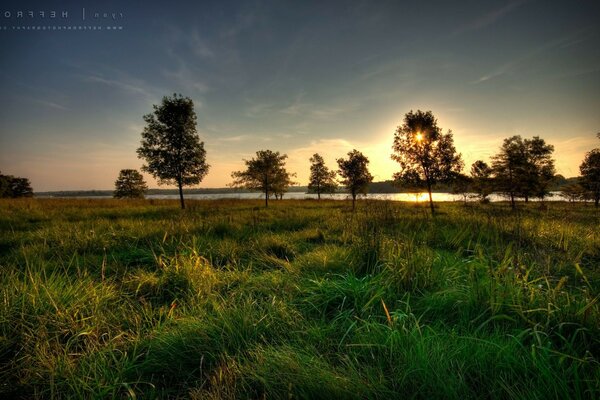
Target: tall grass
{"points": [[138, 299]]}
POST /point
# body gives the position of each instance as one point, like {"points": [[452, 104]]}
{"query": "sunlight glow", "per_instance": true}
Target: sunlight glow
{"points": [[419, 136]]}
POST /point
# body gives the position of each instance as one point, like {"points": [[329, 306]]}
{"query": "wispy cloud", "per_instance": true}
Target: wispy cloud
{"points": [[50, 104], [558, 43], [127, 86], [489, 18]]}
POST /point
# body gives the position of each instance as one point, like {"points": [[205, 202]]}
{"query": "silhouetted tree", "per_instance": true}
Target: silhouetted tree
{"points": [[425, 154], [541, 166], [461, 184], [590, 173], [573, 192], [170, 145], [281, 183], [13, 187], [355, 174], [130, 184], [481, 173], [523, 168], [266, 173], [321, 180]]}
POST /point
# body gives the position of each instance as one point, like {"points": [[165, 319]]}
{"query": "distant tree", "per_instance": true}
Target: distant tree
{"points": [[481, 174], [321, 180], [590, 174], [523, 168], [573, 192], [13, 187], [266, 173], [461, 184], [130, 184], [281, 183], [170, 145], [355, 174], [426, 155]]}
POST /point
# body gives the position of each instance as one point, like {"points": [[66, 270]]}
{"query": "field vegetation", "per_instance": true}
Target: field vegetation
{"points": [[305, 299]]}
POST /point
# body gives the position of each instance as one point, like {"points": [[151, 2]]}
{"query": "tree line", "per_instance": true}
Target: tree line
{"points": [[523, 168]]}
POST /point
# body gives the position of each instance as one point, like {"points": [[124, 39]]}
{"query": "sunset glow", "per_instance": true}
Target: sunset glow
{"points": [[326, 80]]}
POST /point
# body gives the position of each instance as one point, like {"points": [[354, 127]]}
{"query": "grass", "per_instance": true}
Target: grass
{"points": [[137, 299]]}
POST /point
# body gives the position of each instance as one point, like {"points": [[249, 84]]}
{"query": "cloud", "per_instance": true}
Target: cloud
{"points": [[489, 18], [50, 104], [558, 43], [128, 86]]}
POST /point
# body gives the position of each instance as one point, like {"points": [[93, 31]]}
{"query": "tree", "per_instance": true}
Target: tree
{"points": [[523, 168], [14, 186], [170, 145], [266, 173], [355, 173], [426, 155], [281, 183], [590, 173], [321, 180], [481, 174], [573, 192], [461, 184], [541, 166], [130, 184]]}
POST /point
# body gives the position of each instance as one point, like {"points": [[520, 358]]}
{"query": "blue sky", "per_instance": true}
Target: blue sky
{"points": [[298, 77]]}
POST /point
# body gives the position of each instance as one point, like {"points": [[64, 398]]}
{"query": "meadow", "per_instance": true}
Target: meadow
{"points": [[305, 299]]}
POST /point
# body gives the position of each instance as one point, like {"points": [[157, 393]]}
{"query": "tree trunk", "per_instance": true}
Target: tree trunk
{"points": [[596, 201], [353, 200], [181, 194], [430, 198], [266, 198], [512, 201]]}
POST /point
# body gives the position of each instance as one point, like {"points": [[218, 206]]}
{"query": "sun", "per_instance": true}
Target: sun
{"points": [[419, 136]]}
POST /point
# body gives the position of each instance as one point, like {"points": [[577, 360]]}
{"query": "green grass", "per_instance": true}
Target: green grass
{"points": [[138, 299]]}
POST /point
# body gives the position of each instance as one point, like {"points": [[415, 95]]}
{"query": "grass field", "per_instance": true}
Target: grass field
{"points": [[137, 299]]}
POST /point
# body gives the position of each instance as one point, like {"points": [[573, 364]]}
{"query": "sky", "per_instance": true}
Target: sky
{"points": [[298, 77]]}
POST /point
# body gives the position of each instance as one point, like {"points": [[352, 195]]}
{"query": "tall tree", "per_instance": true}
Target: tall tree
{"points": [[266, 173], [523, 168], [130, 184], [321, 179], [170, 145], [590, 173], [355, 173], [426, 155], [481, 173]]}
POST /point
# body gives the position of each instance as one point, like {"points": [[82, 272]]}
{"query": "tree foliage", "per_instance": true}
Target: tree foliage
{"points": [[130, 184], [426, 155], [14, 186], [355, 173], [523, 168], [321, 180], [481, 175], [266, 173], [590, 174], [573, 192], [170, 145], [461, 184]]}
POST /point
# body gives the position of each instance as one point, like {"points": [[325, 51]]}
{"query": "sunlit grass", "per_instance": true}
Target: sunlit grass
{"points": [[138, 299]]}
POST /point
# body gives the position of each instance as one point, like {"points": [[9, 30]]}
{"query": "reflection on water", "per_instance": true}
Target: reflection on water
{"points": [[410, 197]]}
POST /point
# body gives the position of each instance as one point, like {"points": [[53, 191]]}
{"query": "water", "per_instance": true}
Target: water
{"points": [[408, 197]]}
